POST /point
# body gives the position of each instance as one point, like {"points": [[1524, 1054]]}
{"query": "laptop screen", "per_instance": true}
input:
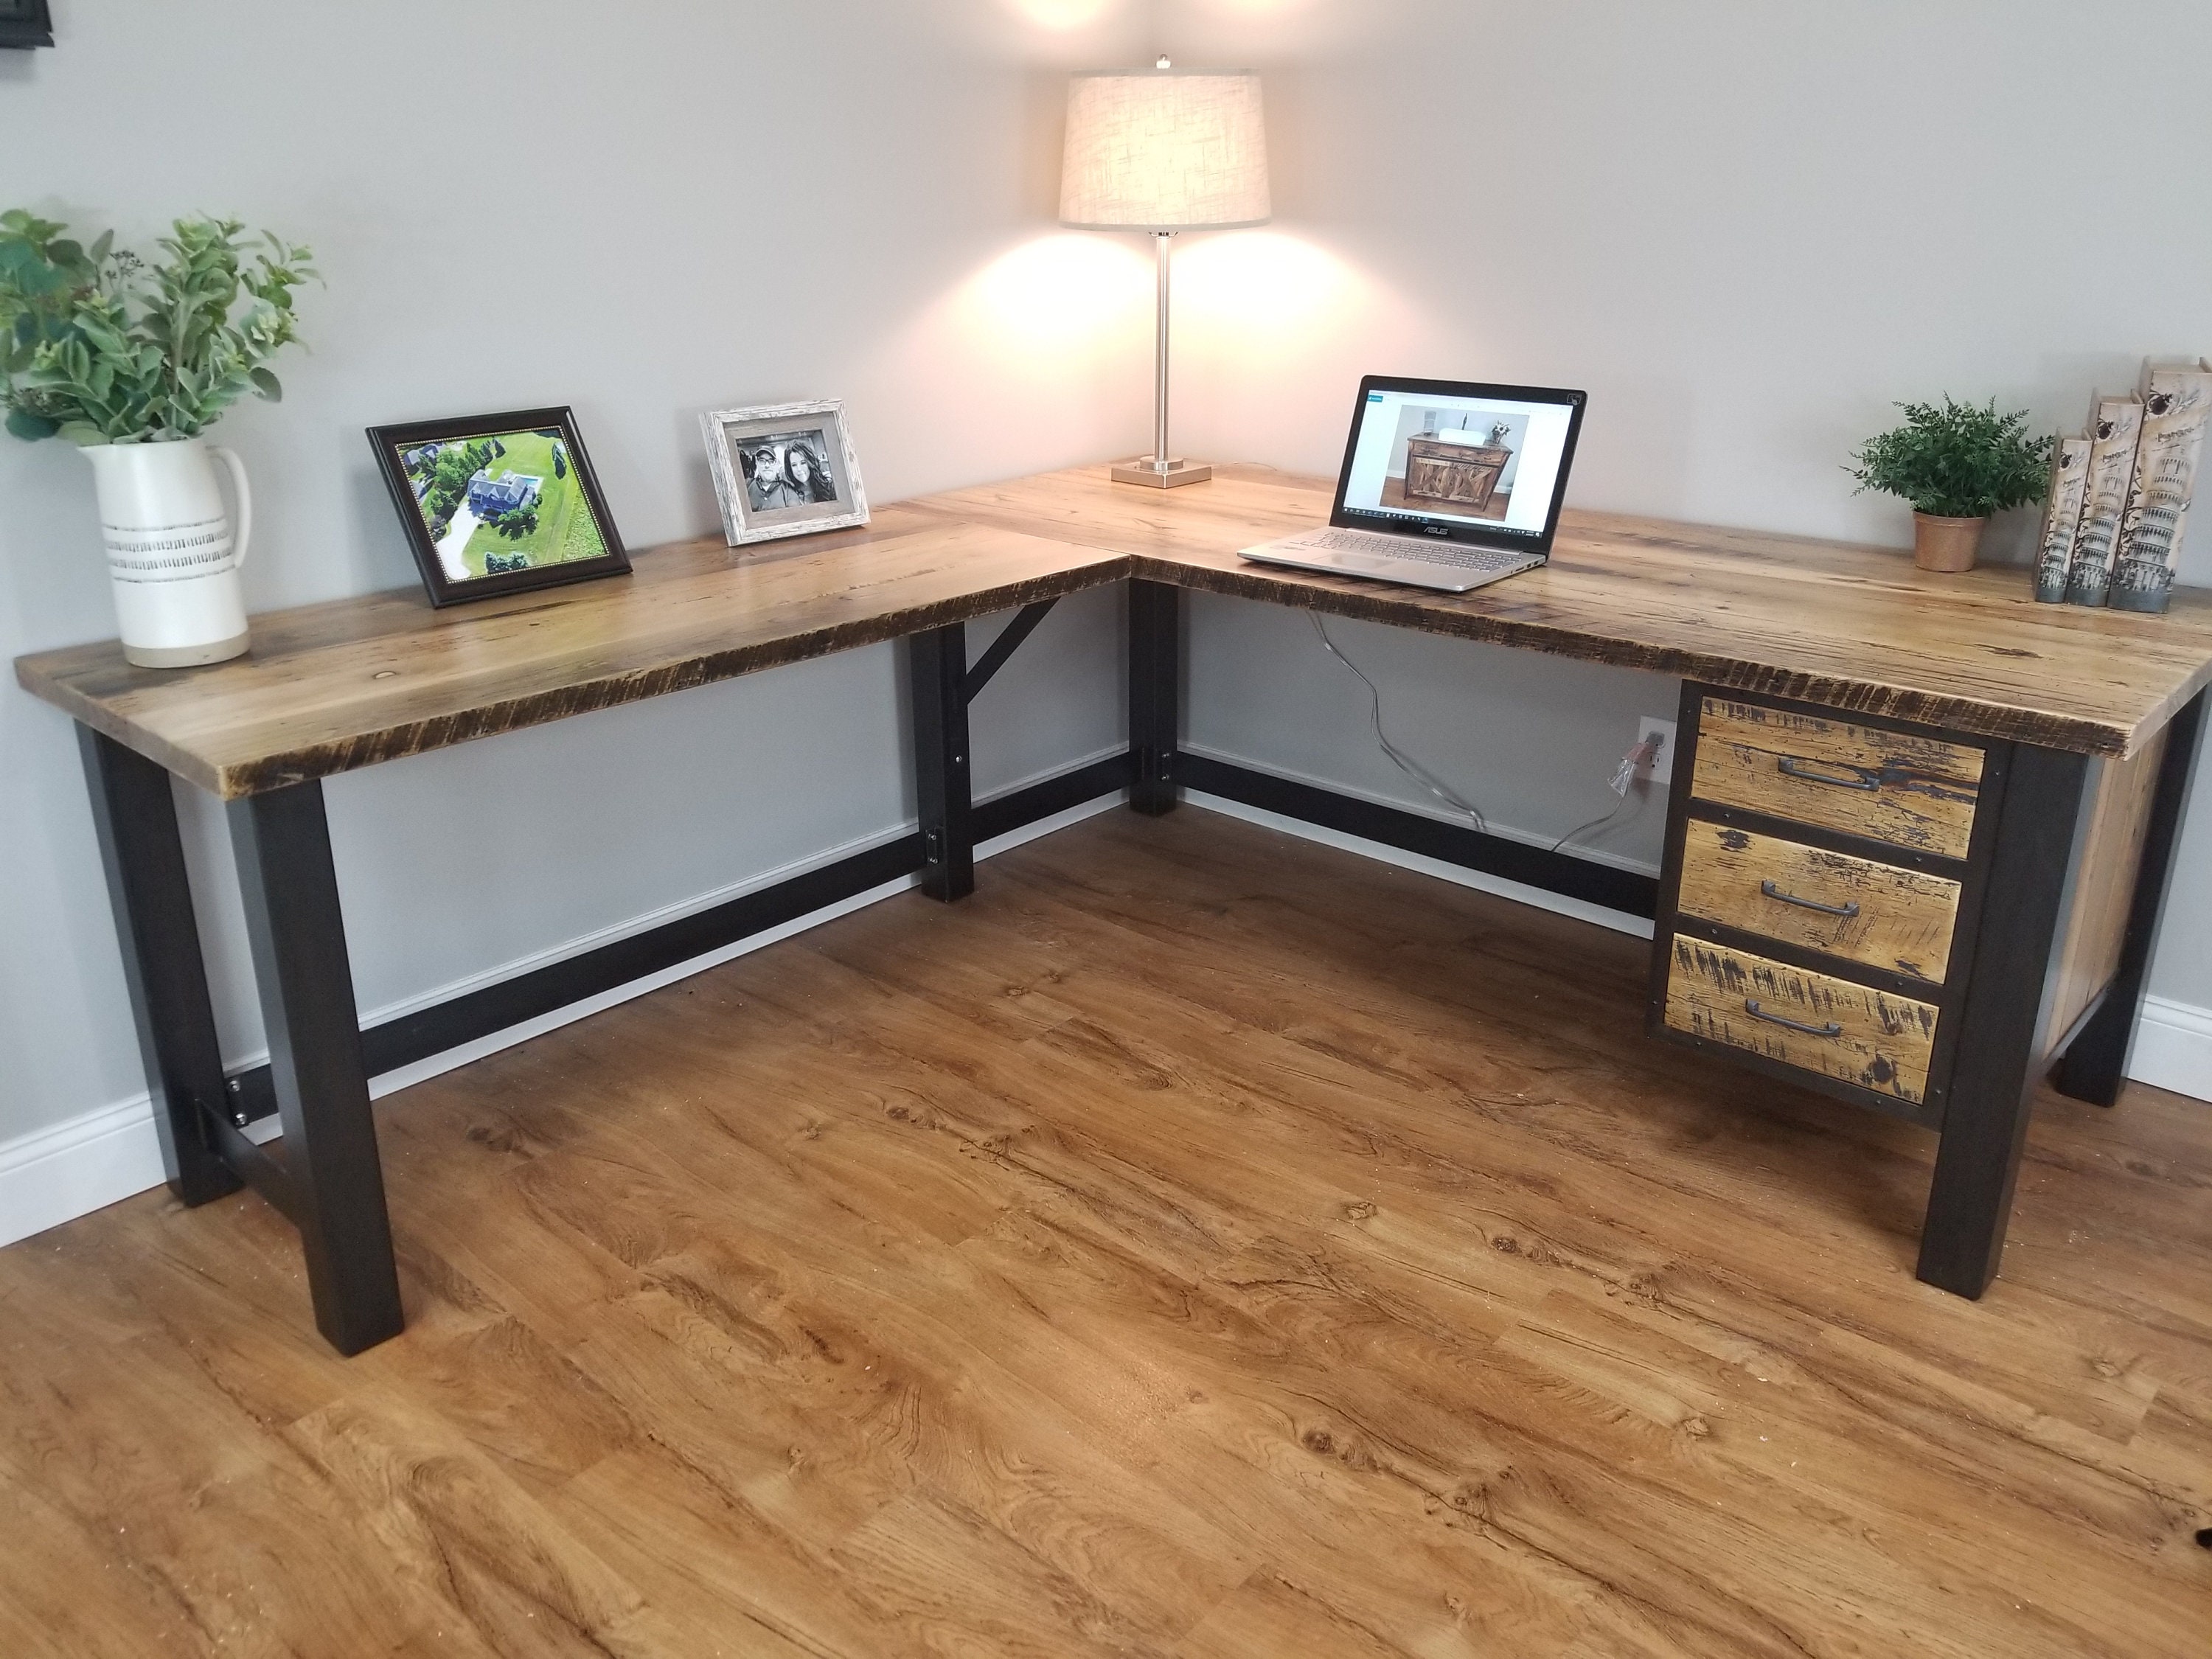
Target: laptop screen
{"points": [[1484, 464]]}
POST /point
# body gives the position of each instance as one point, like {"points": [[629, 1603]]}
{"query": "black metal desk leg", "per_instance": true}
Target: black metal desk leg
{"points": [[282, 844], [1155, 693], [938, 662], [2096, 1063], [1992, 1079], [135, 816]]}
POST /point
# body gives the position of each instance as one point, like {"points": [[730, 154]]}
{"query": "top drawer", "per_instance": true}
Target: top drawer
{"points": [[1856, 780]]}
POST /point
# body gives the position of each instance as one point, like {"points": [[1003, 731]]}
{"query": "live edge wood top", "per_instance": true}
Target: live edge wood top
{"points": [[330, 688], [1853, 627]]}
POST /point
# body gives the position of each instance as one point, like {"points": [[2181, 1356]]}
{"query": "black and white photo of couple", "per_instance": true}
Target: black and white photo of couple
{"points": [[785, 469]]}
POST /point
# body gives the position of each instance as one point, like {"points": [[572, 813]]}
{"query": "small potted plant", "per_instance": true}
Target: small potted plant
{"points": [[1957, 464], [131, 359]]}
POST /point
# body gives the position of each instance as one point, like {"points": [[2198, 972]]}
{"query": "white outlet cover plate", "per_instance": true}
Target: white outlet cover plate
{"points": [[1662, 767]]}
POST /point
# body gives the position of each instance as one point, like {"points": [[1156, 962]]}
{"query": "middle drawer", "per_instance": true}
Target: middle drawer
{"points": [[1841, 906]]}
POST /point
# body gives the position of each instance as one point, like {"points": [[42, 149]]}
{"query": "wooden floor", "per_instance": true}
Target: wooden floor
{"points": [[1198, 1243]]}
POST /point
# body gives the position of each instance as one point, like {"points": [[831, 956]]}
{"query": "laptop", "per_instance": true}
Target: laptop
{"points": [[1450, 485]]}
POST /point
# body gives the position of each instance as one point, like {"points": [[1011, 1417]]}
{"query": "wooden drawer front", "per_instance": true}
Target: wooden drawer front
{"points": [[1912, 792], [1841, 906], [1469, 479], [1861, 1036]]}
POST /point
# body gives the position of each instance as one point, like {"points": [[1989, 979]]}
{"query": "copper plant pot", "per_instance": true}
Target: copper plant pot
{"points": [[1947, 545]]}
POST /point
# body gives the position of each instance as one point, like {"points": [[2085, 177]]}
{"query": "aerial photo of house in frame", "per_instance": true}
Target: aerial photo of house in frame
{"points": [[497, 503]]}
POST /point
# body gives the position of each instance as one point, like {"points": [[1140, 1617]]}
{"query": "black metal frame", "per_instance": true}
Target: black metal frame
{"points": [[25, 24], [134, 816], [2096, 1058], [943, 686], [335, 1189], [1155, 694], [328, 1181], [1993, 1070], [327, 1177], [1603, 884], [936, 665]]}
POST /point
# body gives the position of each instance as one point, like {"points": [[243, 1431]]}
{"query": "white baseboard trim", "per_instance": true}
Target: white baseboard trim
{"points": [[86, 1163], [82, 1165], [2173, 1047]]}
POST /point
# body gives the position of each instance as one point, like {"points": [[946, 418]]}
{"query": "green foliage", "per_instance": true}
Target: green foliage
{"points": [[449, 477], [514, 525], [1959, 461], [101, 346]]}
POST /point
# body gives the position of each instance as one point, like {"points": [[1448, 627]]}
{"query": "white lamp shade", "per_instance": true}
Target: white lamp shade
{"points": [[1163, 149]]}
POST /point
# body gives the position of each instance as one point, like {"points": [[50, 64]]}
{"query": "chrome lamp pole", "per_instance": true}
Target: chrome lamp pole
{"points": [[1162, 240]]}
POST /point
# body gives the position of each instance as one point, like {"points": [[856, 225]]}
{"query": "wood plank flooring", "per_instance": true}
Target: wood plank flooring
{"points": [[1199, 1243]]}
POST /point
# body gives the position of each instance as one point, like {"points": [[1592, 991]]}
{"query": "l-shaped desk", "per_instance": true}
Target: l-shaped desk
{"points": [[1917, 843]]}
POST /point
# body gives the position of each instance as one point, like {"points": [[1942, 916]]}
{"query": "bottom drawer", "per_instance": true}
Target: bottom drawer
{"points": [[1874, 1039]]}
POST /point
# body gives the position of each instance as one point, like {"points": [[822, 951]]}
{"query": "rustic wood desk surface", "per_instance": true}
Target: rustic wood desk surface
{"points": [[330, 688], [1858, 628]]}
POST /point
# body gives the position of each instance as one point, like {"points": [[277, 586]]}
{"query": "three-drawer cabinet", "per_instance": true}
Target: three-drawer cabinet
{"points": [[1824, 890]]}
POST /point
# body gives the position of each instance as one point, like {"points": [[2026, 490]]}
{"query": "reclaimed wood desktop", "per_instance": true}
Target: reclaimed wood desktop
{"points": [[2065, 713]]}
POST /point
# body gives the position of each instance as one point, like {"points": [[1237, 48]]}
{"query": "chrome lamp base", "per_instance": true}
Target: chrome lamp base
{"points": [[1145, 471]]}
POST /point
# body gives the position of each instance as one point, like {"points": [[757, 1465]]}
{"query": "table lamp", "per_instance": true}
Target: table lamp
{"points": [[1163, 149]]}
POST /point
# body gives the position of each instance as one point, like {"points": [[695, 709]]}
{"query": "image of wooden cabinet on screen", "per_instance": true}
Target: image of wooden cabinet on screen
{"points": [[1449, 461]]}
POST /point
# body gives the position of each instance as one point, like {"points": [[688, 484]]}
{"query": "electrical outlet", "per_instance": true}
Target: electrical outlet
{"points": [[1661, 769]]}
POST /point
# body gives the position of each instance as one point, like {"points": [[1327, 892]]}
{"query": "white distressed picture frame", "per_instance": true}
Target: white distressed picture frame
{"points": [[726, 430]]}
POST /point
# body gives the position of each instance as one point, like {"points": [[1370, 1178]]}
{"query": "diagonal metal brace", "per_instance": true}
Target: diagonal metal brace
{"points": [[1009, 641]]}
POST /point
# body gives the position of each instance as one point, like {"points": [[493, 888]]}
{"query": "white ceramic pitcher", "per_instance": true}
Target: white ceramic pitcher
{"points": [[172, 558]]}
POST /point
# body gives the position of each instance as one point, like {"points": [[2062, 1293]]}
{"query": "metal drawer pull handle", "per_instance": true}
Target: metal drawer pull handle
{"points": [[1846, 911], [1830, 1029], [1791, 766]]}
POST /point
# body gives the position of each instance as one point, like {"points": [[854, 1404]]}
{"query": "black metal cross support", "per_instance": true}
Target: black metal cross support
{"points": [[335, 1179], [135, 816], [2096, 1062], [1155, 693], [1993, 1075], [937, 663], [1009, 641]]}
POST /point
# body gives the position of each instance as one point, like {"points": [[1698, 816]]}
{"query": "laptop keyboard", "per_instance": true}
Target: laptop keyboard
{"points": [[1456, 555]]}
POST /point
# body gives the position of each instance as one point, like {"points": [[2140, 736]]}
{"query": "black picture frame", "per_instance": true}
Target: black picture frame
{"points": [[393, 444], [25, 23]]}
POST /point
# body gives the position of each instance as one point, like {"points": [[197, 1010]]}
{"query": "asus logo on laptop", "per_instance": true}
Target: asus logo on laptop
{"points": [[1436, 530]]}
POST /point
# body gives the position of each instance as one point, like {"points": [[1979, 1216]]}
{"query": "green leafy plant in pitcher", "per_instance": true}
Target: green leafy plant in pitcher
{"points": [[133, 359]]}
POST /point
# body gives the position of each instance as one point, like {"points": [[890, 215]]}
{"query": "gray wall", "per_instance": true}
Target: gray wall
{"points": [[904, 260], [1745, 227]]}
